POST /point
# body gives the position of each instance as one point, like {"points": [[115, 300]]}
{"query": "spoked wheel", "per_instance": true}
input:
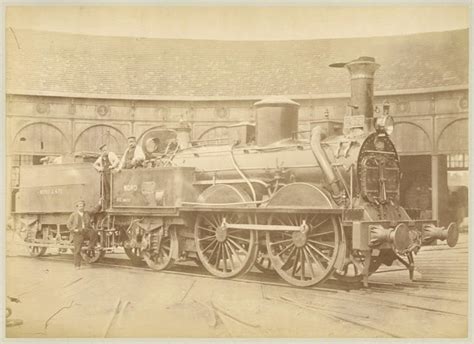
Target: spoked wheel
{"points": [[35, 251], [353, 268], [134, 254], [225, 252], [29, 233], [93, 255], [304, 258], [162, 250]]}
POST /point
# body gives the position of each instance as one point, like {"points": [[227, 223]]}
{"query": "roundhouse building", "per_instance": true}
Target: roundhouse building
{"points": [[69, 93]]}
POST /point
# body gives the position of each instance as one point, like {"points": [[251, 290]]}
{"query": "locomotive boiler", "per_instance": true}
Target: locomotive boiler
{"points": [[308, 209]]}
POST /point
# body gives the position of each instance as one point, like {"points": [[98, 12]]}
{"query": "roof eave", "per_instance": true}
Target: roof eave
{"points": [[230, 98]]}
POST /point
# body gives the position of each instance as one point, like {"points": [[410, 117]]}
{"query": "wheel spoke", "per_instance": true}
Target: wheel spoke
{"points": [[320, 234], [295, 264], [319, 252], [280, 242], [281, 222], [309, 263], [229, 255], [292, 220], [207, 238], [236, 230], [313, 227], [302, 264], [285, 249], [208, 246], [218, 260], [237, 245], [287, 264], [210, 223], [213, 252], [321, 243], [207, 229], [235, 253], [238, 238], [217, 220], [315, 259], [224, 257]]}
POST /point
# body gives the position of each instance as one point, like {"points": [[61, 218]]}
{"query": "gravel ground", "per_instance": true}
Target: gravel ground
{"points": [[99, 301]]}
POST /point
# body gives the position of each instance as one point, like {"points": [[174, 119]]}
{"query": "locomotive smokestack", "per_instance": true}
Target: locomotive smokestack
{"points": [[362, 72]]}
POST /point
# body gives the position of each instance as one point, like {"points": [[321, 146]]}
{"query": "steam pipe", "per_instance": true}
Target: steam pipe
{"points": [[324, 163], [242, 174]]}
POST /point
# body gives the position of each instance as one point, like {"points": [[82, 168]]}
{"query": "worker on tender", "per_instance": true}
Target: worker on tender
{"points": [[80, 225], [106, 162], [133, 156]]}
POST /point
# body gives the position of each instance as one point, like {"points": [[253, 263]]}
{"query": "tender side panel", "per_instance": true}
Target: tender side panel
{"points": [[55, 188], [153, 187]]}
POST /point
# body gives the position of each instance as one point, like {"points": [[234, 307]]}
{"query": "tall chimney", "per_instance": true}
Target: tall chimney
{"points": [[362, 72]]}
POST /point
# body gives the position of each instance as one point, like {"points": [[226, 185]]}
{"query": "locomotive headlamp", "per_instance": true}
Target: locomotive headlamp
{"points": [[151, 145], [384, 123]]}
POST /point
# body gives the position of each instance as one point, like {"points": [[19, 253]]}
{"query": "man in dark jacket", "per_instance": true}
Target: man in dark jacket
{"points": [[80, 225]]}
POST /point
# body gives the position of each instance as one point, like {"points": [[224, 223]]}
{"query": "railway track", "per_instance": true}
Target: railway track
{"points": [[378, 286], [437, 298]]}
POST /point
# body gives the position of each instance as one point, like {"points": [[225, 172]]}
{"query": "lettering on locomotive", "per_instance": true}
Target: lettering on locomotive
{"points": [[52, 191], [130, 187]]}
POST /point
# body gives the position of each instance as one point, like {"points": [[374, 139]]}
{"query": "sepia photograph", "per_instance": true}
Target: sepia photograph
{"points": [[225, 171]]}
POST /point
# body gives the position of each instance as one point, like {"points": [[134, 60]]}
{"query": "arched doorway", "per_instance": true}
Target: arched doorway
{"points": [[454, 138], [93, 137], [414, 147], [411, 138], [453, 142], [32, 144], [40, 139]]}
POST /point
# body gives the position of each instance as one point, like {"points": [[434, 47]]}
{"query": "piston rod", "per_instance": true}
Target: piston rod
{"points": [[260, 227]]}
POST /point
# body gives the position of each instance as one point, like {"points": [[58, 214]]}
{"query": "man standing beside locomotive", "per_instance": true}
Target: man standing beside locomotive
{"points": [[106, 162], [80, 225], [133, 156]]}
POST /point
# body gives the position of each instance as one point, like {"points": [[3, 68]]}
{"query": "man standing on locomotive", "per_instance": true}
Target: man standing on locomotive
{"points": [[80, 224], [106, 162], [133, 156]]}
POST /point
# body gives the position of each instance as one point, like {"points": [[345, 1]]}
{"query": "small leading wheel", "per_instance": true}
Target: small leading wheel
{"points": [[225, 252], [134, 254], [305, 257], [162, 249], [35, 251], [93, 255], [353, 268]]}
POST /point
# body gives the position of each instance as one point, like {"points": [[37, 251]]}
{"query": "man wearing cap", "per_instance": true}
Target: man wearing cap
{"points": [[80, 225], [106, 162], [133, 155]]}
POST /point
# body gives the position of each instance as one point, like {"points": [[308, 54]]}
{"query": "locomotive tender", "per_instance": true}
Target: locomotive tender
{"points": [[307, 209]]}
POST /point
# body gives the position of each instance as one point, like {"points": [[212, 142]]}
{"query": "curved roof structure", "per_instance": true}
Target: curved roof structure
{"points": [[62, 64]]}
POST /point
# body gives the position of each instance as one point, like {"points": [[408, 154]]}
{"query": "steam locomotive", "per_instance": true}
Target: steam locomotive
{"points": [[307, 209]]}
